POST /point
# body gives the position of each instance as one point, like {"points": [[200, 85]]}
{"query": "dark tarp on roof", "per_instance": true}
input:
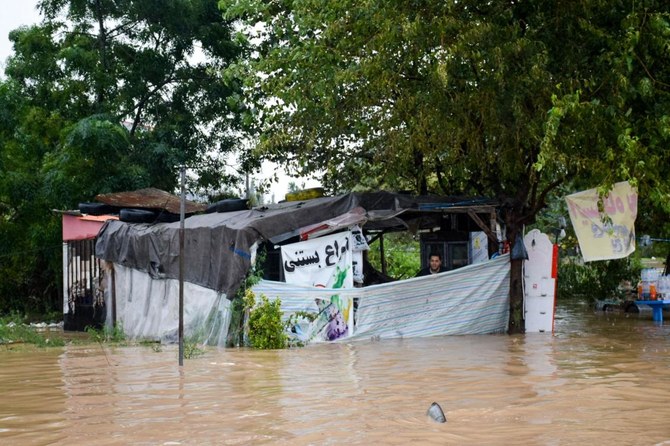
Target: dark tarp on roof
{"points": [[217, 246]]}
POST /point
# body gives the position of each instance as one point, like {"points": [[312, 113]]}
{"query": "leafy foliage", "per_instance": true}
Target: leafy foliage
{"points": [[402, 255], [596, 280], [101, 97], [501, 99], [266, 329], [239, 308], [192, 349]]}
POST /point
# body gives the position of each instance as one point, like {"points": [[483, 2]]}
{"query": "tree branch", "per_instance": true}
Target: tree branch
{"points": [[140, 105], [639, 59], [122, 27], [541, 202]]}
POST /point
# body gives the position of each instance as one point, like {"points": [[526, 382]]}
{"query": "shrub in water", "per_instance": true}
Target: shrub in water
{"points": [[265, 327]]}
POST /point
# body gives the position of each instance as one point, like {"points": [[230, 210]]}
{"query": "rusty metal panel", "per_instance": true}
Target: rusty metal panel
{"points": [[151, 198]]}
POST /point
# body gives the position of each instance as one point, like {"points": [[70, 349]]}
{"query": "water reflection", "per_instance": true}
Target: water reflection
{"points": [[601, 378]]}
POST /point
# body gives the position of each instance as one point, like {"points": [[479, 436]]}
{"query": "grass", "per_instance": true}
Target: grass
{"points": [[13, 330], [107, 334], [16, 333]]}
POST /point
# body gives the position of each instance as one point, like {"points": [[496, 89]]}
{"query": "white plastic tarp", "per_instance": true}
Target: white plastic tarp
{"points": [[148, 308]]}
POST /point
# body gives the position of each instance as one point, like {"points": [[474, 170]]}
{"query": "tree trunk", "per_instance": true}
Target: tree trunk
{"points": [[517, 323], [102, 46], [419, 168]]}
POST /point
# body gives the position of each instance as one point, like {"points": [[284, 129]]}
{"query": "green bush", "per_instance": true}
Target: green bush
{"points": [[265, 327], [192, 349], [596, 280], [239, 306]]}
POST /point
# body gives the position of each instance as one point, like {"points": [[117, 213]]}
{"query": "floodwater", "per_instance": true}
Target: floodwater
{"points": [[601, 378]]}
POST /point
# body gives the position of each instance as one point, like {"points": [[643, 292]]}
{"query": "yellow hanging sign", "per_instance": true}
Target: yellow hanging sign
{"points": [[606, 234]]}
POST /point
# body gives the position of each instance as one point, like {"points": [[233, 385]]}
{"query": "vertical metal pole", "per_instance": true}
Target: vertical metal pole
{"points": [[113, 274], [182, 174]]}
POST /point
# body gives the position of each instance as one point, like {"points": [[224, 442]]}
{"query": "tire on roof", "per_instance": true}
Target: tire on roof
{"points": [[228, 205], [97, 209], [167, 217], [137, 216]]}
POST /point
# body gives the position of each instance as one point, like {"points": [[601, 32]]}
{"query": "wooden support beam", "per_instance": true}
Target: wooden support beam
{"points": [[483, 226]]}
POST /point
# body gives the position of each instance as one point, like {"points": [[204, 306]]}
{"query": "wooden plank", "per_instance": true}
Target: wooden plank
{"points": [[483, 227]]}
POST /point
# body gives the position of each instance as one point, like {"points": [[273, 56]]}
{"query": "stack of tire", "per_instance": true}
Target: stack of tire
{"points": [[129, 215], [97, 209], [146, 215], [133, 215]]}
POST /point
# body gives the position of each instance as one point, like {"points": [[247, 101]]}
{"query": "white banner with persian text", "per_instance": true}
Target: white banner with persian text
{"points": [[325, 262], [609, 234]]}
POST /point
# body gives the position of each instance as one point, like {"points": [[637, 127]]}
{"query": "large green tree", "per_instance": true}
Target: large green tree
{"points": [[104, 96], [508, 99]]}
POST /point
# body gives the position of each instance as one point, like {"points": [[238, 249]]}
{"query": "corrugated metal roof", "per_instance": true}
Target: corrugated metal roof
{"points": [[150, 198]]}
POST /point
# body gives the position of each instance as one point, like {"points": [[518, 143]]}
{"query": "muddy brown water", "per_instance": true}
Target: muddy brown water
{"points": [[602, 378]]}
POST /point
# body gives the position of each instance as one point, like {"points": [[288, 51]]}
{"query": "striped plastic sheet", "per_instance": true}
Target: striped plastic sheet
{"points": [[469, 300]]}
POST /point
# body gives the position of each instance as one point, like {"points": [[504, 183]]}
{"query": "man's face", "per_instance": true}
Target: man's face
{"points": [[435, 263]]}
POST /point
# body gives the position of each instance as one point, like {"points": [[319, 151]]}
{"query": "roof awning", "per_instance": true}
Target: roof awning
{"points": [[353, 217]]}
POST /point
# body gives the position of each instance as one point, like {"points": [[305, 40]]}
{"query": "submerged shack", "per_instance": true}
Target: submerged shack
{"points": [[142, 264]]}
